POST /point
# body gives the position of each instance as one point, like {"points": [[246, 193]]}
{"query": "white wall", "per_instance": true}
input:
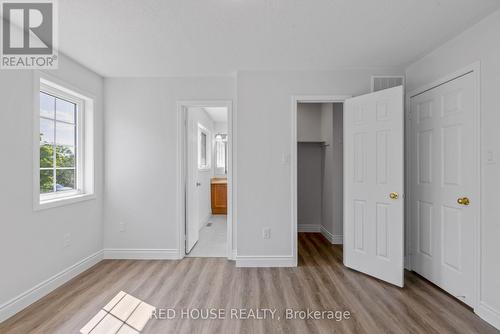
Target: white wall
{"points": [[200, 116], [309, 122], [263, 136], [31, 242], [332, 133], [141, 156], [479, 43], [309, 185]]}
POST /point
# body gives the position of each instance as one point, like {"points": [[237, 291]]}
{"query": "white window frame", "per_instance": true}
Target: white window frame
{"points": [[79, 144], [208, 147], [224, 142], [84, 168], [218, 152]]}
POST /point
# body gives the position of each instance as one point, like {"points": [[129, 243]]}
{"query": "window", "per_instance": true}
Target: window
{"points": [[58, 144], [221, 152], [203, 148], [63, 160]]}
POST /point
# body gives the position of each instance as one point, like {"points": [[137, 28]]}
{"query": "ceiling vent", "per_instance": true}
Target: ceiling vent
{"points": [[384, 82]]}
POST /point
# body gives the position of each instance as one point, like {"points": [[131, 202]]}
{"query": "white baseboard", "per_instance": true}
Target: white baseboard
{"points": [[335, 239], [140, 254], [316, 228], [309, 228], [265, 261], [30, 296], [488, 314]]}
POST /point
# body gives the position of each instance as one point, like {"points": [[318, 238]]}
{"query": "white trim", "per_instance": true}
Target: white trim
{"points": [[231, 181], [475, 69], [64, 85], [208, 148], [140, 254], [293, 157], [309, 228], [335, 239], [63, 201], [265, 261], [181, 171], [488, 314], [407, 194], [40, 290], [85, 141]]}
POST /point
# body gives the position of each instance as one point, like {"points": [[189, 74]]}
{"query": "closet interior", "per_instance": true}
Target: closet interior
{"points": [[320, 169]]}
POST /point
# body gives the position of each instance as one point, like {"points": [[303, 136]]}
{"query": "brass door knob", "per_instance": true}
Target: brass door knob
{"points": [[394, 195], [463, 201]]}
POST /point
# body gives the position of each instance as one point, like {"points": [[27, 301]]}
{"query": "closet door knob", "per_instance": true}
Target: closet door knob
{"points": [[463, 201], [394, 195]]}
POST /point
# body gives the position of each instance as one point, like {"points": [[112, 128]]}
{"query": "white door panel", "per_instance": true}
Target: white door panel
{"points": [[192, 189], [373, 157], [442, 169]]}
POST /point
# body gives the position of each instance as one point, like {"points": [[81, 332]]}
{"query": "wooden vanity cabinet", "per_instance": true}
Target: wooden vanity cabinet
{"points": [[218, 189]]}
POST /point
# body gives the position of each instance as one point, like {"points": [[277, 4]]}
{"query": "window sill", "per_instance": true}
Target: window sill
{"points": [[62, 201]]}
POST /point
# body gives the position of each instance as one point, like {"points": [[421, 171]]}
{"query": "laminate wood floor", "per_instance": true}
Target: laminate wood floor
{"points": [[320, 282]]}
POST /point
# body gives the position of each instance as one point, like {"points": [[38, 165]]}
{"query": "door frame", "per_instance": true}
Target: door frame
{"points": [[475, 69], [182, 107], [293, 158]]}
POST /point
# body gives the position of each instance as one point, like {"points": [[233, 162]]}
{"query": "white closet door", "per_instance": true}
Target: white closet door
{"points": [[373, 184], [443, 173]]}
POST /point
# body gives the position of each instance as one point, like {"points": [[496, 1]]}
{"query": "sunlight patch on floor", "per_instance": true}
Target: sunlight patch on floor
{"points": [[124, 314]]}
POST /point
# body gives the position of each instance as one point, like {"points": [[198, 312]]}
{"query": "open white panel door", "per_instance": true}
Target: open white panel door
{"points": [[373, 184], [192, 186]]}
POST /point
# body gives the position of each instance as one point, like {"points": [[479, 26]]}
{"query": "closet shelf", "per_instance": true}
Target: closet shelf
{"points": [[321, 143]]}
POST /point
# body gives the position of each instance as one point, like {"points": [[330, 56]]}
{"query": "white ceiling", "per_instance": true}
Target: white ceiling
{"points": [[205, 37], [217, 114]]}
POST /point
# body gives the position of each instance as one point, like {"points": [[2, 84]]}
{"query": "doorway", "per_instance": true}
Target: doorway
{"points": [[320, 169], [314, 135], [205, 174], [372, 174]]}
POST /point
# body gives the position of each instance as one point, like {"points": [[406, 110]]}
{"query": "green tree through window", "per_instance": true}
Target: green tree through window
{"points": [[57, 144]]}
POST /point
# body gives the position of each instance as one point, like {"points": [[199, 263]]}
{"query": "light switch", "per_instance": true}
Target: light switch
{"points": [[67, 240], [285, 158], [266, 233], [490, 157]]}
